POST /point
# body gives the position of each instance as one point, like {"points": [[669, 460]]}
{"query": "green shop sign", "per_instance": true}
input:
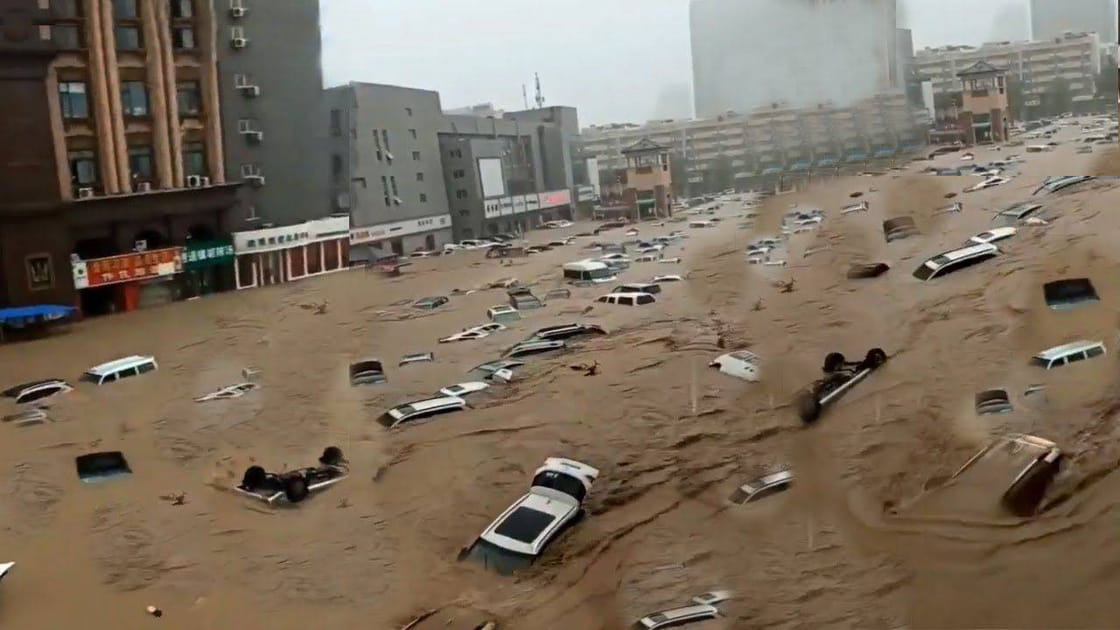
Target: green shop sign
{"points": [[204, 254]]}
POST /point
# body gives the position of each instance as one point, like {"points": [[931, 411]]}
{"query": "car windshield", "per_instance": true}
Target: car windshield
{"points": [[567, 484], [498, 559], [1040, 362], [925, 270], [90, 377], [525, 524], [741, 494]]}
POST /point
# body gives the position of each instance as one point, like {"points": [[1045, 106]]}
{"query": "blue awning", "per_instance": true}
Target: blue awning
{"points": [[773, 170], [800, 166], [825, 161], [23, 315], [853, 157]]}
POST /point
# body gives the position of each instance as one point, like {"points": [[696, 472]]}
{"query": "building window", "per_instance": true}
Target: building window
{"points": [[190, 98], [182, 8], [128, 38], [134, 98], [336, 168], [125, 9], [393, 184], [460, 194], [140, 163], [385, 188], [72, 97], [419, 177], [70, 9], [408, 110], [412, 133], [39, 276], [458, 173], [423, 198], [182, 38], [83, 168], [415, 156], [336, 122], [385, 141], [194, 159], [67, 36]]}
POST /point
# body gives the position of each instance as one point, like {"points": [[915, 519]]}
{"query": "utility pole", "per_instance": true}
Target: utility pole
{"points": [[540, 97], [525, 96]]}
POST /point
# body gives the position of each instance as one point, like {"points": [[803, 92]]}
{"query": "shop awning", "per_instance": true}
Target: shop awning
{"points": [[21, 316], [205, 254]]}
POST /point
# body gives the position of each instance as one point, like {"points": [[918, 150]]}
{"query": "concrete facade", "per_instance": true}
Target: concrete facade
{"points": [[273, 114], [385, 166]]}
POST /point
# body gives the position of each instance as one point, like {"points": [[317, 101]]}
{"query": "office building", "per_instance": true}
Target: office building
{"points": [[740, 151], [1052, 18], [747, 55], [272, 102], [385, 167], [1041, 73], [112, 169]]}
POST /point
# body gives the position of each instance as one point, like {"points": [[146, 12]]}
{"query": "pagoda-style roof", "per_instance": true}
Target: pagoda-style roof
{"points": [[645, 145], [980, 68]]}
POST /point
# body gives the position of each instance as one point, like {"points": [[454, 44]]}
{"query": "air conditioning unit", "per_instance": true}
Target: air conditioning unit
{"points": [[203, 181], [194, 181], [252, 91], [239, 42], [252, 134], [256, 180], [144, 187], [238, 12], [85, 193]]}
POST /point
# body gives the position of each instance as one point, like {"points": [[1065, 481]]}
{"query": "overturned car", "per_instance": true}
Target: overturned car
{"points": [[840, 376], [296, 485]]}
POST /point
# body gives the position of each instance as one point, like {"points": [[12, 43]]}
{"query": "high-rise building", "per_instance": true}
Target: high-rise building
{"points": [[748, 55], [272, 100], [111, 163], [1051, 18]]}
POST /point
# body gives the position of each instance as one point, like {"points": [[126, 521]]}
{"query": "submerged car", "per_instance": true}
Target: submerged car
{"points": [[420, 409], [534, 346], [991, 236], [37, 391], [500, 370], [740, 364], [676, 617], [840, 376], [1070, 293], [522, 532], [1034, 461], [566, 331], [430, 303], [367, 372], [992, 401], [899, 228], [762, 487], [296, 485], [474, 332]]}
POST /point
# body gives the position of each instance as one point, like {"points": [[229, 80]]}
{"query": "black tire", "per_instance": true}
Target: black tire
{"points": [[833, 361], [875, 358], [332, 456], [254, 478], [808, 407], [295, 489]]}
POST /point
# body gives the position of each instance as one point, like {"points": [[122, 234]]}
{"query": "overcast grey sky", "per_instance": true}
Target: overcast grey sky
{"points": [[610, 58]]}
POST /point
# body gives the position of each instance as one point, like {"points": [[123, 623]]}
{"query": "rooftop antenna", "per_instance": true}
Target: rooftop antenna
{"points": [[540, 97], [525, 96]]}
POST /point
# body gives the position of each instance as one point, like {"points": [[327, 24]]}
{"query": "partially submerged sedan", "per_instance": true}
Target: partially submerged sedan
{"points": [[762, 487], [37, 391], [522, 532]]}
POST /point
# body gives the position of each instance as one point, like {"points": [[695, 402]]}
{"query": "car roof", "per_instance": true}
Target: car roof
{"points": [[431, 403], [999, 231], [1068, 348], [554, 504], [119, 364], [630, 293], [502, 308], [469, 386], [967, 252], [683, 612], [16, 390]]}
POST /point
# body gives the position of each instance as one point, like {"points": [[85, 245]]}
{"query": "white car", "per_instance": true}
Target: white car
{"points": [[503, 313], [990, 182], [557, 224], [666, 278], [615, 256], [740, 364], [992, 235], [5, 567], [462, 390], [677, 617], [476, 332], [520, 534], [862, 206]]}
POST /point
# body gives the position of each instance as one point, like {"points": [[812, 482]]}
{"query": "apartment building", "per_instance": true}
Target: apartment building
{"points": [[738, 150], [385, 167], [1049, 19], [111, 167], [273, 109], [1071, 60]]}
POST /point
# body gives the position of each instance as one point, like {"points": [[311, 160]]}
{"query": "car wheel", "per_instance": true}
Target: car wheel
{"points": [[875, 358], [254, 478], [295, 489], [808, 407], [833, 361]]}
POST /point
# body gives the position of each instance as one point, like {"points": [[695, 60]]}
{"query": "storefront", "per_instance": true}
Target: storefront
{"points": [[208, 266], [400, 237], [283, 254], [128, 282]]}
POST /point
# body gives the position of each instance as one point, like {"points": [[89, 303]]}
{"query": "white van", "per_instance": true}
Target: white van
{"points": [[1039, 148], [121, 368], [627, 299], [701, 223], [590, 271], [955, 260], [1068, 353]]}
